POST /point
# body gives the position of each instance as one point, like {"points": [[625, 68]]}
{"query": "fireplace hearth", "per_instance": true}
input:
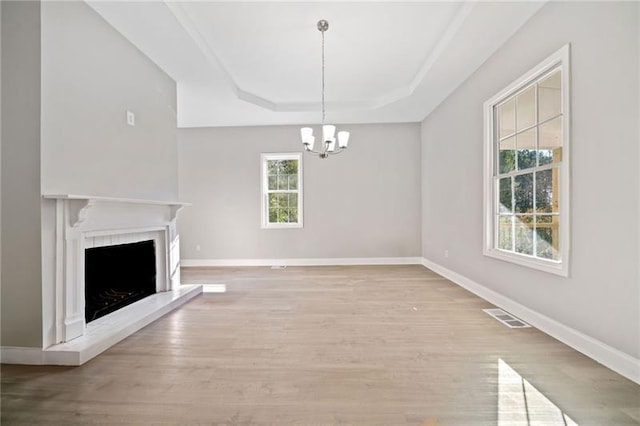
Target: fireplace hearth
{"points": [[118, 275]]}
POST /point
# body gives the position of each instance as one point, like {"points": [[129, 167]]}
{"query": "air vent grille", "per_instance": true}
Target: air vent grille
{"points": [[506, 318]]}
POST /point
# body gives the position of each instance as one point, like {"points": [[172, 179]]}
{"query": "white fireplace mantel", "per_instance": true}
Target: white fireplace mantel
{"points": [[114, 199], [81, 203]]}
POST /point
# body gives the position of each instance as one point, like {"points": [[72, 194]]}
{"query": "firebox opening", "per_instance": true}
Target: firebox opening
{"points": [[118, 275]]}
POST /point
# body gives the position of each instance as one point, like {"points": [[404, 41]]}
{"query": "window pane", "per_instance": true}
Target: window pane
{"points": [[273, 182], [293, 181], [506, 119], [526, 144], [526, 109], [283, 182], [550, 147], [278, 215], [546, 191], [547, 237], [524, 234], [293, 215], [278, 200], [505, 233], [293, 200], [507, 155], [506, 203], [285, 215], [273, 215], [273, 201], [289, 167], [523, 193], [272, 167], [549, 96], [545, 156], [283, 200]]}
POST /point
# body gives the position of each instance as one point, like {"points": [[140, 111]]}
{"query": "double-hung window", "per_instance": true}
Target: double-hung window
{"points": [[282, 190], [527, 168]]}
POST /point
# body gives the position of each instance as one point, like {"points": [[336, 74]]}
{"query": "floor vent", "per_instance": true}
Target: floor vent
{"points": [[506, 318], [278, 266]]}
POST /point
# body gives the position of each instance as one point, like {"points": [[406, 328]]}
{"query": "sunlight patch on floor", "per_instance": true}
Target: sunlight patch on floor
{"points": [[214, 288], [520, 403]]}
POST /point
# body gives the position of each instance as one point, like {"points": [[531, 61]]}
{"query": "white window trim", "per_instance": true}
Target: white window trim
{"points": [[559, 58], [264, 205]]}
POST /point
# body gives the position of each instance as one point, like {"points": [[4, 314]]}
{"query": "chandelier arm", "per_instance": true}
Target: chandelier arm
{"points": [[337, 151], [314, 151], [325, 152]]}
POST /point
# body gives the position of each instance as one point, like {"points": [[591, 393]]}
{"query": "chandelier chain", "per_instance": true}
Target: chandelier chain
{"points": [[323, 109]]}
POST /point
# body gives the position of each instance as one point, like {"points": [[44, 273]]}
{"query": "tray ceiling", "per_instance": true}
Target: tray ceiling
{"points": [[258, 63]]}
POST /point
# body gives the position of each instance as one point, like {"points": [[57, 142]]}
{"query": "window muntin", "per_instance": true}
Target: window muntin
{"points": [[526, 203], [282, 190]]}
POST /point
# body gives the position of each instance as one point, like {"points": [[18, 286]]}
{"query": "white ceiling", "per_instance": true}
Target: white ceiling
{"points": [[258, 63]]}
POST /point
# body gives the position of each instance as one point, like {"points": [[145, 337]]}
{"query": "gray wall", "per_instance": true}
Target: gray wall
{"points": [[21, 304], [90, 76], [68, 77], [364, 202], [600, 298], [0, 164]]}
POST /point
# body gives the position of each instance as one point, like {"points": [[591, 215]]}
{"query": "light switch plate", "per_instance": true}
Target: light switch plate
{"points": [[131, 118]]}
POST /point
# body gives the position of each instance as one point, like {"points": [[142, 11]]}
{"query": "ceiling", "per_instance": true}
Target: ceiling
{"points": [[259, 63]]}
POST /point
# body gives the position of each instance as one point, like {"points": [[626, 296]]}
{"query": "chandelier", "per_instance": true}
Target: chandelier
{"points": [[328, 146]]}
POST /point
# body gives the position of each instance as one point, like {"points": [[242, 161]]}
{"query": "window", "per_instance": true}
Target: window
{"points": [[282, 190], [526, 168]]}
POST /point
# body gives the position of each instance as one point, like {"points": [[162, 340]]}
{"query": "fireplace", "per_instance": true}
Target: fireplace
{"points": [[126, 294], [118, 275]]}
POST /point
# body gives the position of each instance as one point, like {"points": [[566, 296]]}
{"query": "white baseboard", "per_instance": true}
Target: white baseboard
{"points": [[616, 360], [303, 262], [21, 355]]}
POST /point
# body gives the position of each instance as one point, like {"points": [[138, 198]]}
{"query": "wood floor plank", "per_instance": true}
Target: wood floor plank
{"points": [[366, 345]]}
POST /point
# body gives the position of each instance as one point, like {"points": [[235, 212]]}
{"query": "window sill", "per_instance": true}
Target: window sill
{"points": [[556, 268], [282, 226]]}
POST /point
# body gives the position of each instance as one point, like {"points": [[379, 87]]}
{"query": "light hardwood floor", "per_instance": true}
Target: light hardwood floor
{"points": [[326, 345]]}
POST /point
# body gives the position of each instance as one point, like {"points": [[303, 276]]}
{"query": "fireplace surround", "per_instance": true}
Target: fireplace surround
{"points": [[74, 223]]}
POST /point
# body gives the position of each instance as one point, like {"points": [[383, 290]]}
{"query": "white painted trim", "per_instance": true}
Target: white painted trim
{"points": [[104, 332], [264, 181], [552, 267], [618, 361], [561, 60], [113, 199], [303, 262], [110, 232], [21, 355], [638, 183]]}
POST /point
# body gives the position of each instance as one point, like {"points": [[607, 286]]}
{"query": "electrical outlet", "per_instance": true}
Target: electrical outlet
{"points": [[131, 119], [446, 253], [197, 247]]}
